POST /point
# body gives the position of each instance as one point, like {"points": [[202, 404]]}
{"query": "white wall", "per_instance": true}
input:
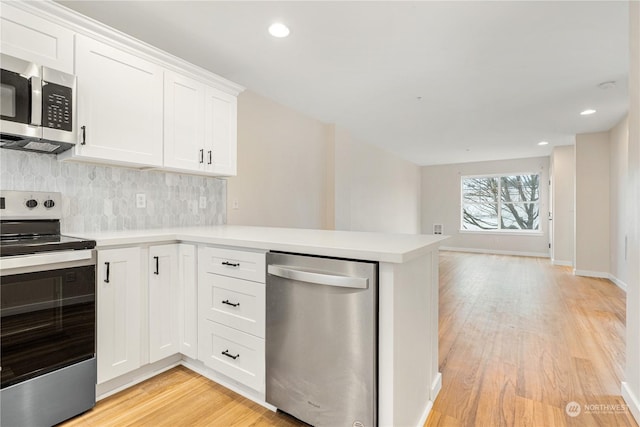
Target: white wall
{"points": [[592, 205], [374, 189], [295, 171], [440, 190], [562, 204], [282, 167], [618, 166], [631, 386]]}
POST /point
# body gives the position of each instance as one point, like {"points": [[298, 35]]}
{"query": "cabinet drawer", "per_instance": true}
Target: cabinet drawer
{"points": [[235, 354], [233, 302], [235, 263]]}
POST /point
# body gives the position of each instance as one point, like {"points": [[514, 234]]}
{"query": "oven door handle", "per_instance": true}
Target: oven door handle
{"points": [[44, 259]]}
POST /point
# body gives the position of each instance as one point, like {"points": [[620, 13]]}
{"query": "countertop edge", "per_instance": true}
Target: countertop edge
{"points": [[161, 236]]}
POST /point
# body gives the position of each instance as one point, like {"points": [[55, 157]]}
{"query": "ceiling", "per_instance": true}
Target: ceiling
{"points": [[433, 82]]}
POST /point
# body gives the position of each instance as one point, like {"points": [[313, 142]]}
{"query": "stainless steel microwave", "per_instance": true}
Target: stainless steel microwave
{"points": [[37, 108]]}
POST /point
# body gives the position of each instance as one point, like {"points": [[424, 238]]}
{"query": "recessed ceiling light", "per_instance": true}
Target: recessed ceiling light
{"points": [[543, 143], [587, 112], [279, 30]]}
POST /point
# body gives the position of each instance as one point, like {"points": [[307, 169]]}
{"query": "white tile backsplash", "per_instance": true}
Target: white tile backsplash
{"points": [[103, 198]]}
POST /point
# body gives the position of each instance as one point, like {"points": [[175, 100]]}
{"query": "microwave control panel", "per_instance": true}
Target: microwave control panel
{"points": [[56, 106]]}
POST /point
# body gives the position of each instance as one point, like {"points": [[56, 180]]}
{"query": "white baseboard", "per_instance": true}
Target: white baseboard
{"points": [[618, 282], [589, 273], [632, 401], [562, 263], [436, 385], [425, 414], [495, 252], [253, 395], [137, 376]]}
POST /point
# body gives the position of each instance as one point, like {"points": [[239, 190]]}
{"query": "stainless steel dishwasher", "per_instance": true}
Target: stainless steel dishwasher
{"points": [[321, 339]]}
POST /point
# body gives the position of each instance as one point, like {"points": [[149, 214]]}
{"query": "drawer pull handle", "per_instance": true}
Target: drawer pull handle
{"points": [[231, 264], [226, 353], [230, 303], [106, 279], [157, 265]]}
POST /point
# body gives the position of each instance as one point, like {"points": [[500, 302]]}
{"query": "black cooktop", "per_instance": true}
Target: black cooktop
{"points": [[36, 244], [32, 237]]}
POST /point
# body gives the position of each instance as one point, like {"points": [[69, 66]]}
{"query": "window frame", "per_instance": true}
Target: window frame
{"points": [[499, 202]]}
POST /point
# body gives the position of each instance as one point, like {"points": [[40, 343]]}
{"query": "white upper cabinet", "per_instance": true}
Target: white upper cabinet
{"points": [[221, 127], [34, 39], [200, 127], [183, 123], [137, 106], [119, 106]]}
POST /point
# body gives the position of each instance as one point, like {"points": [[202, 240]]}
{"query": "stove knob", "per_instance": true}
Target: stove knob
{"points": [[49, 204], [31, 203]]}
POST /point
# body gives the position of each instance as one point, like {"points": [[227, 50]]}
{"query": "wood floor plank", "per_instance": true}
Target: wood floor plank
{"points": [[519, 340]]}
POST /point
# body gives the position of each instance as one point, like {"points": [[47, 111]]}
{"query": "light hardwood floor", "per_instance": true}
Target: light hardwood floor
{"points": [[519, 340]]}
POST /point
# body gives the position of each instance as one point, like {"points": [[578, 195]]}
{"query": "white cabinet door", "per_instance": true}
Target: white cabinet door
{"points": [[187, 273], [221, 124], [183, 123], [119, 106], [164, 297], [34, 39], [118, 312]]}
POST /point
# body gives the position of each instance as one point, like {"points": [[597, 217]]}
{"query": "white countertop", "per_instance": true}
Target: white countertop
{"points": [[382, 247]]}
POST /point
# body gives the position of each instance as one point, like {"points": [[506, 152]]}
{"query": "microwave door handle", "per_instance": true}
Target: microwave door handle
{"points": [[36, 100]]}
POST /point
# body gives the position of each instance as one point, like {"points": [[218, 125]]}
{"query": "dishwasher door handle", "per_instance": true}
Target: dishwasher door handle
{"points": [[318, 278]]}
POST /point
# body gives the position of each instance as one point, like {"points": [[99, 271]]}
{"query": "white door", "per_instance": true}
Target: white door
{"points": [[164, 297], [119, 105], [183, 123], [220, 132], [118, 312]]}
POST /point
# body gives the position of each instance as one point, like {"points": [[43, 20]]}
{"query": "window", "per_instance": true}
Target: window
{"points": [[501, 203]]}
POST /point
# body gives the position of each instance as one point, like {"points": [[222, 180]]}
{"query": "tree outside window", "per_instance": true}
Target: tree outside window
{"points": [[508, 202]]}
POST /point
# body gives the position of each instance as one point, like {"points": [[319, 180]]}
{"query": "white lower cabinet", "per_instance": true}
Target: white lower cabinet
{"points": [[233, 353], [164, 296], [118, 312], [231, 314], [206, 303], [188, 278]]}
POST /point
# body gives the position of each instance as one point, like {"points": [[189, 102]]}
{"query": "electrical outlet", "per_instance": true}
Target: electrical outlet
{"points": [[203, 202], [141, 200], [235, 204]]}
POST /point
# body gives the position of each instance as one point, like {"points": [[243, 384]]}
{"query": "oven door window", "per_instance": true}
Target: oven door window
{"points": [[48, 321], [15, 102]]}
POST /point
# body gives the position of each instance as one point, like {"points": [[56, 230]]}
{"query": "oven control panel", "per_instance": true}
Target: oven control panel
{"points": [[30, 205]]}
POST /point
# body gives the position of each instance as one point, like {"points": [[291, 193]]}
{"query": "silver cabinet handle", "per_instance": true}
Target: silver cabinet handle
{"points": [[318, 278]]}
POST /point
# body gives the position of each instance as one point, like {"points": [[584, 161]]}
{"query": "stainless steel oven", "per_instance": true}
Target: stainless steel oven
{"points": [[37, 108], [47, 315]]}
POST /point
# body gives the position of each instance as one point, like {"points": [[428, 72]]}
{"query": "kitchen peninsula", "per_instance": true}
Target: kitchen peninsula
{"points": [[408, 377]]}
